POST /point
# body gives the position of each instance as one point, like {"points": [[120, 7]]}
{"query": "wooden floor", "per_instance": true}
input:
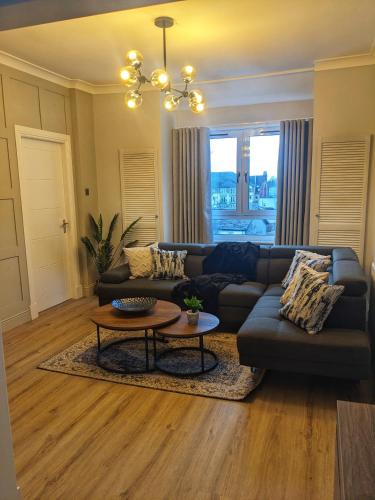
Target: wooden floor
{"points": [[78, 438]]}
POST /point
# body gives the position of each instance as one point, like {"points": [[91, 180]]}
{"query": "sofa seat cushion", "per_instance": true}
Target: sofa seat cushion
{"points": [[141, 287], [265, 334], [244, 295], [275, 290]]}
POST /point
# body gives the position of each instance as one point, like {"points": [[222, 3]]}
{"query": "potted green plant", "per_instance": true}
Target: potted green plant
{"points": [[194, 305], [100, 248]]}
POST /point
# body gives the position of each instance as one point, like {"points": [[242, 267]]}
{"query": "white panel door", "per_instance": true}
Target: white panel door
{"points": [[43, 203]]}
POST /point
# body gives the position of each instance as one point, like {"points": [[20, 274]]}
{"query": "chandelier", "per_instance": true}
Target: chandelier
{"points": [[131, 75]]}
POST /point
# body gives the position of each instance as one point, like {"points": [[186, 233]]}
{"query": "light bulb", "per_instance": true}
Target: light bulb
{"points": [[170, 102], [196, 96], [159, 79], [133, 99], [134, 58], [197, 107], [188, 73], [128, 75]]}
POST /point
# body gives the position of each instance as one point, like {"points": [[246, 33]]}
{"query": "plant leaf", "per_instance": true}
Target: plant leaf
{"points": [[129, 228], [95, 229], [112, 227], [89, 246], [131, 244], [100, 227]]}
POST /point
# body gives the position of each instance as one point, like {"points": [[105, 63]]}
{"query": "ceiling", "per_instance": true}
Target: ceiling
{"points": [[225, 40]]}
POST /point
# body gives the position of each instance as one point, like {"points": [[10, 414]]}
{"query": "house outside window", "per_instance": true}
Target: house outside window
{"points": [[244, 184]]}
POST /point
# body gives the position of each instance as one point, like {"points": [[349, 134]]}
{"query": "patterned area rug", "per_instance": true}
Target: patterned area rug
{"points": [[229, 380]]}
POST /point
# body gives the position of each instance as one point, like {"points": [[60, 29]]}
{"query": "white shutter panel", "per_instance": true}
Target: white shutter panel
{"points": [[342, 193], [139, 193]]}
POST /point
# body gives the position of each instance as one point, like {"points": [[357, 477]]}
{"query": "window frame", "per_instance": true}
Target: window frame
{"points": [[243, 173]]}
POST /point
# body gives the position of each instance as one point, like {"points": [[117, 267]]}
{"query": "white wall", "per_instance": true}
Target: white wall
{"points": [[237, 115]]}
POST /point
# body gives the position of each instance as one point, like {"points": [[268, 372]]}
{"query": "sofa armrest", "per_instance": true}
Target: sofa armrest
{"points": [[347, 271], [116, 275]]}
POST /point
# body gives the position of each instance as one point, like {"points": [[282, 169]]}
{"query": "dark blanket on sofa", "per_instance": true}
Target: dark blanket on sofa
{"points": [[229, 263], [233, 258], [207, 288]]}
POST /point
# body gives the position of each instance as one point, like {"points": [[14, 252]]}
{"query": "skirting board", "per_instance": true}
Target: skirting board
{"points": [[88, 290], [16, 320]]}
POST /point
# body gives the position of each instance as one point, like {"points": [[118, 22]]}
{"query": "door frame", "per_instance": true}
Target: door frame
{"points": [[74, 277]]}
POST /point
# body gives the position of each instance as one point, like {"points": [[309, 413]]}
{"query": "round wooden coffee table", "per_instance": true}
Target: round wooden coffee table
{"points": [[112, 319], [180, 329]]}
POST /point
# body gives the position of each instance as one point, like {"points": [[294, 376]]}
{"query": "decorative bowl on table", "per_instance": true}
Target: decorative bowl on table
{"points": [[134, 304]]}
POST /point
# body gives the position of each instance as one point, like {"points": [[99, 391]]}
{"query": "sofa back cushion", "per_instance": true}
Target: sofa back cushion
{"points": [[195, 256]]}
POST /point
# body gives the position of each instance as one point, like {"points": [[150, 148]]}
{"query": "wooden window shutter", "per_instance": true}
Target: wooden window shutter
{"points": [[139, 193], [342, 193]]}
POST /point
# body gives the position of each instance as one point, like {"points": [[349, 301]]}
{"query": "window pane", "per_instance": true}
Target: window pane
{"points": [[246, 228], [224, 173], [264, 152]]}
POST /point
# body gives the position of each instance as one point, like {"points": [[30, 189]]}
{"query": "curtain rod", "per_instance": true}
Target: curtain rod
{"points": [[254, 124]]}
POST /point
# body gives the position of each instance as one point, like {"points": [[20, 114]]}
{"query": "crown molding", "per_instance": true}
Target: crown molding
{"points": [[344, 62], [91, 88], [40, 72], [115, 88]]}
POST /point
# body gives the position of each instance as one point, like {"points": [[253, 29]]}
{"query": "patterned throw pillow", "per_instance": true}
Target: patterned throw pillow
{"points": [[168, 265], [311, 302], [317, 262], [140, 261], [296, 279]]}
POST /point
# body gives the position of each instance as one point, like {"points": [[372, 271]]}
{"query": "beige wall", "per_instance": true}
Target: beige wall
{"points": [[84, 161], [344, 105], [117, 127], [32, 102], [237, 115]]}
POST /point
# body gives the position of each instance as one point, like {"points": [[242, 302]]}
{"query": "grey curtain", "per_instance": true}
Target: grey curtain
{"points": [[294, 182], [191, 185]]}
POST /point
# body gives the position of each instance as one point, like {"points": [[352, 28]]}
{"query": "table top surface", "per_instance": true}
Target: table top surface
{"points": [[180, 328], [356, 449], [161, 315]]}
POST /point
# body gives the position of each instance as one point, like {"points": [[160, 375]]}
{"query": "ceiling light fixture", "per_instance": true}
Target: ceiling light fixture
{"points": [[131, 74]]}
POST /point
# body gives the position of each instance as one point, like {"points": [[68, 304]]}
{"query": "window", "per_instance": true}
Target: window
{"points": [[244, 184]]}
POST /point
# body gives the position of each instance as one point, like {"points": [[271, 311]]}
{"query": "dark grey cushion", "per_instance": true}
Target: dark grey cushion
{"points": [[266, 335], [232, 317], [142, 287], [116, 275], [350, 274], [288, 251], [275, 289], [193, 265], [244, 295], [191, 248]]}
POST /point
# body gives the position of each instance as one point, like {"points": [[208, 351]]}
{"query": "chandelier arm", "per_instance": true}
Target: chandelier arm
{"points": [[177, 90]]}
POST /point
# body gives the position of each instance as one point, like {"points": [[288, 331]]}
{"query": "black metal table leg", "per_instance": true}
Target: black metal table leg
{"points": [[98, 336], [154, 344], [146, 351], [201, 347]]}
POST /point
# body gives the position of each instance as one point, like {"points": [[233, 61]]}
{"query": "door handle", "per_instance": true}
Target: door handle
{"points": [[64, 225]]}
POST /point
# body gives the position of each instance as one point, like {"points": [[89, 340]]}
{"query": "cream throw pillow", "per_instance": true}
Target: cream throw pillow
{"points": [[140, 261], [296, 278], [318, 262], [311, 302]]}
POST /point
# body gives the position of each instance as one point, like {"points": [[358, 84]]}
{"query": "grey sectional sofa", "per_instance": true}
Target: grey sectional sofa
{"points": [[264, 338]]}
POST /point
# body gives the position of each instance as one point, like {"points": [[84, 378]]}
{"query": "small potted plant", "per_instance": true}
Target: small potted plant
{"points": [[194, 305]]}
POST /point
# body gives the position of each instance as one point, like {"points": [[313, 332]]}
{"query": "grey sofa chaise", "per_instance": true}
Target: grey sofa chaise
{"points": [[264, 338]]}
